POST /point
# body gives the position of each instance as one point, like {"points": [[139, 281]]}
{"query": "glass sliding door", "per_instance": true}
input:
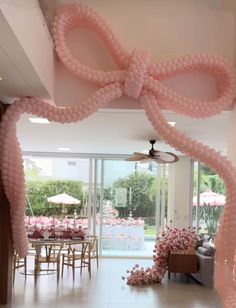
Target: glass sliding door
{"points": [[64, 178], [128, 201], [124, 203], [208, 199]]}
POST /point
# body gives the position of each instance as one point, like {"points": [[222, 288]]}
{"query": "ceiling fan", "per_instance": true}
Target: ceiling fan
{"points": [[154, 155]]}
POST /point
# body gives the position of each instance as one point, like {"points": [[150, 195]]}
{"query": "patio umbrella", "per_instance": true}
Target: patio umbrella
{"points": [[63, 199], [210, 198]]}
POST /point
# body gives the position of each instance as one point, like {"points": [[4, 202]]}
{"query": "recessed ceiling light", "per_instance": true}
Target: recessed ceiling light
{"points": [[0, 78], [172, 123], [64, 149], [39, 120]]}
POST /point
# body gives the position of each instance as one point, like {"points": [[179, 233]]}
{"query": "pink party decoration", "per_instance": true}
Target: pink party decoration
{"points": [[139, 79], [177, 240]]}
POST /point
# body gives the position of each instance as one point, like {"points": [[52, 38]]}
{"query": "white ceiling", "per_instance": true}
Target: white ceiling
{"points": [[113, 131], [26, 68]]}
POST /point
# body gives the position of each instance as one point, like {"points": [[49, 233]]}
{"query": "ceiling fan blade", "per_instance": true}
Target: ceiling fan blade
{"points": [[174, 157], [136, 157], [160, 161], [166, 157], [154, 155], [146, 160], [141, 154]]}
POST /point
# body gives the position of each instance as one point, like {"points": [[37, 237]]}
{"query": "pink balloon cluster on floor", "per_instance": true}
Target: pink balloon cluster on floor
{"points": [[138, 79], [171, 240]]}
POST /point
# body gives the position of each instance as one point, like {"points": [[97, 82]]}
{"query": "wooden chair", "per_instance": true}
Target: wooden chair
{"points": [[18, 263], [93, 248], [31, 250], [47, 254], [77, 258]]}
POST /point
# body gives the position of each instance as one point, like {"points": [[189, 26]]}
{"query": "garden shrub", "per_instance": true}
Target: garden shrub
{"points": [[39, 191]]}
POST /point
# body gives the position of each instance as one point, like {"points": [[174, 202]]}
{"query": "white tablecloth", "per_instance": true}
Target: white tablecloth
{"points": [[123, 237]]}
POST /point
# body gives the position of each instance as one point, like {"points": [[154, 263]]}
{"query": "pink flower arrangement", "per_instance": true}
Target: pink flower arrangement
{"points": [[110, 216], [30, 222], [38, 228], [170, 240]]}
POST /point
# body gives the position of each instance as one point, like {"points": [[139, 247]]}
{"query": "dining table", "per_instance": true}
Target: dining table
{"points": [[38, 243]]}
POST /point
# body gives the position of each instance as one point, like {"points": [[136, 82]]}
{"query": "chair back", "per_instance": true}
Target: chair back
{"points": [[48, 251], [85, 246], [93, 243], [18, 263]]}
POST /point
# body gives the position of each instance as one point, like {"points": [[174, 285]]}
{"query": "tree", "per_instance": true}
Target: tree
{"points": [[208, 180], [142, 201]]}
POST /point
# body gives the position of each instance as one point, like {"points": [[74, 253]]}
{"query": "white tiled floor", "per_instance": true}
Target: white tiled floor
{"points": [[106, 289]]}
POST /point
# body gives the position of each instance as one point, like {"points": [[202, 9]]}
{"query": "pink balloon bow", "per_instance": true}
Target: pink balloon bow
{"points": [[138, 79]]}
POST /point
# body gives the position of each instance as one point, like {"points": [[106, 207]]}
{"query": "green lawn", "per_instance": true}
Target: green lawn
{"points": [[150, 231]]}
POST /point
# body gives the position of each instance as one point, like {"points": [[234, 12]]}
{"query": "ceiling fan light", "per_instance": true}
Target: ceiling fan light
{"points": [[39, 120]]}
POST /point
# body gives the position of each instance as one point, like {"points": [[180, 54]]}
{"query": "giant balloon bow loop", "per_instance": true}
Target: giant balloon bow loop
{"points": [[139, 79]]}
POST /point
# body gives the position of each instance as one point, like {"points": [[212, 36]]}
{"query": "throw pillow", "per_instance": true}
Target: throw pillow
{"points": [[204, 251], [209, 246], [206, 244], [198, 243]]}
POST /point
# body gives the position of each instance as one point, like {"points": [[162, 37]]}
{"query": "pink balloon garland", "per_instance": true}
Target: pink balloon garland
{"points": [[12, 162], [138, 79]]}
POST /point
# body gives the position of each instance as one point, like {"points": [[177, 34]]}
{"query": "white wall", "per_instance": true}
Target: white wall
{"points": [[179, 194]]}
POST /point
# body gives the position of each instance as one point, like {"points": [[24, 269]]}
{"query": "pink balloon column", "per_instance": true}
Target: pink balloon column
{"points": [[11, 159], [138, 79]]}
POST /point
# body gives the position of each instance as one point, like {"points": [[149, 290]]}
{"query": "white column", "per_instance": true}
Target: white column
{"points": [[170, 207], [90, 194], [180, 193], [158, 200], [231, 149], [163, 195]]}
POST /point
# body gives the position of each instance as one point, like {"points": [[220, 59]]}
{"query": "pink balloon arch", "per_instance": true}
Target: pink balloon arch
{"points": [[138, 79]]}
